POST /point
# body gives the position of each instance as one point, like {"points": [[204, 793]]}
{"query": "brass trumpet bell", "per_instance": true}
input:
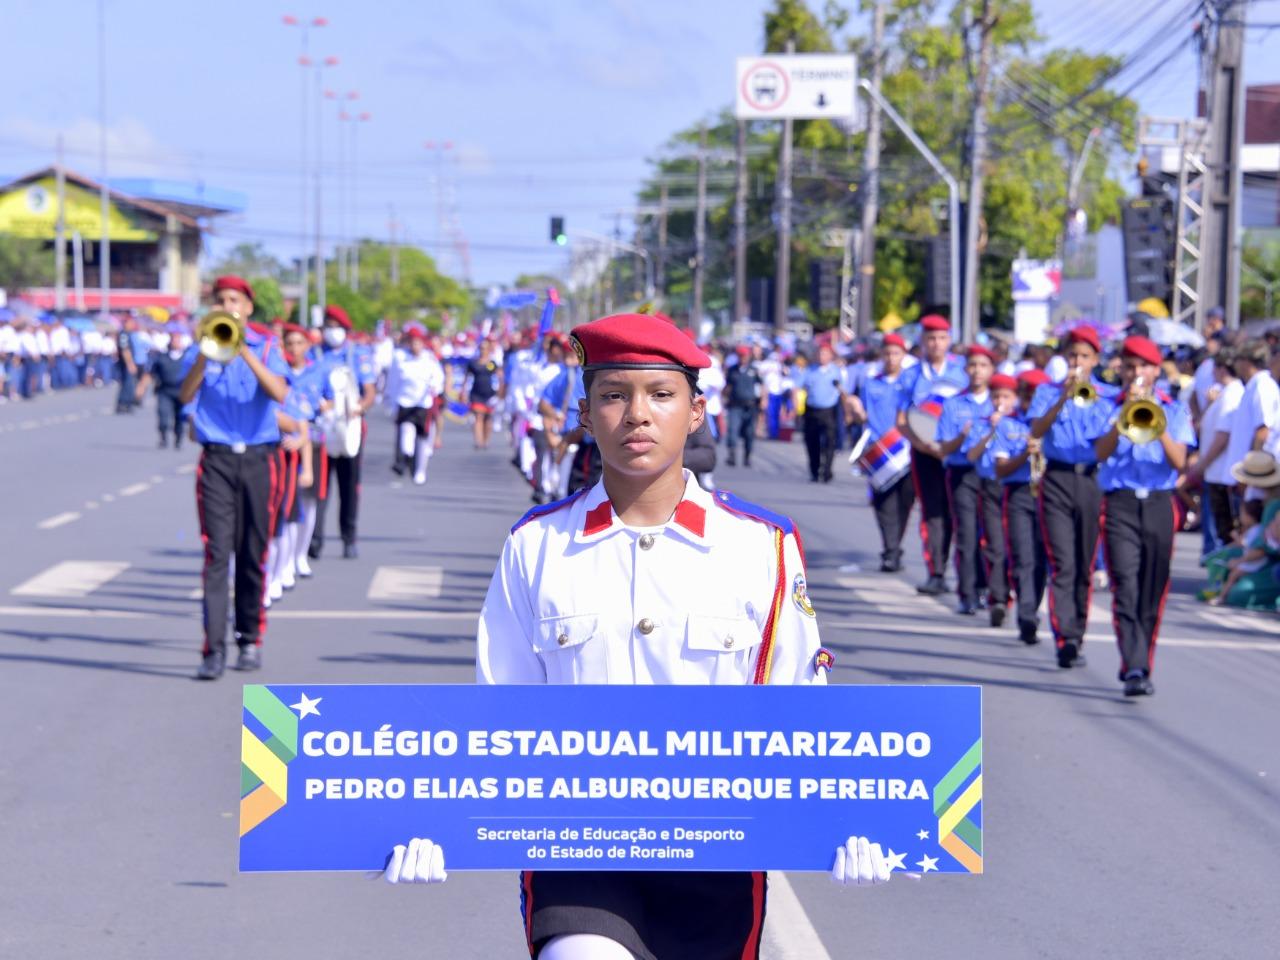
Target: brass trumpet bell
{"points": [[1084, 395], [1142, 420], [220, 336]]}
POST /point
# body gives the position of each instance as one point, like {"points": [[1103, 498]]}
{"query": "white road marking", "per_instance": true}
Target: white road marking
{"points": [[71, 578], [107, 498], [134, 489], [157, 479], [406, 584], [186, 468], [788, 931], [91, 504], [61, 519]]}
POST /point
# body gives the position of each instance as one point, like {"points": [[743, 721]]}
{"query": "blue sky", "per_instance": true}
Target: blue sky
{"points": [[551, 107]]}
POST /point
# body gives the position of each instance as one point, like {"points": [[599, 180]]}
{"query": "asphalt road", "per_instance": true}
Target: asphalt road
{"points": [[1113, 828]]}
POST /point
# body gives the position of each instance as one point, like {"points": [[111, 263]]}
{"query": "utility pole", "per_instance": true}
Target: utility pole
{"points": [[977, 159], [60, 239], [740, 228], [782, 291], [104, 247], [395, 248], [1220, 266], [661, 267], [700, 231], [871, 184]]}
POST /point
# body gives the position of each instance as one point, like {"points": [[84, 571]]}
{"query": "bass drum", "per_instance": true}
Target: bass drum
{"points": [[923, 424]]}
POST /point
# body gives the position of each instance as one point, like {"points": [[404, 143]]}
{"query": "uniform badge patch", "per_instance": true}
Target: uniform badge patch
{"points": [[824, 659], [800, 594], [578, 349]]}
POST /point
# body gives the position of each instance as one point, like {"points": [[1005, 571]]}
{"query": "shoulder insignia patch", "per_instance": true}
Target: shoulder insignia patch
{"points": [[824, 659], [800, 596], [544, 509], [743, 508]]}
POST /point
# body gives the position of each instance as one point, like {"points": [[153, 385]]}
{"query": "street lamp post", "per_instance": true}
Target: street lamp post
{"points": [[340, 251], [353, 271], [304, 61], [320, 66]]}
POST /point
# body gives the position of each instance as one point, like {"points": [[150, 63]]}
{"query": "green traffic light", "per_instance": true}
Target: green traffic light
{"points": [[561, 239]]}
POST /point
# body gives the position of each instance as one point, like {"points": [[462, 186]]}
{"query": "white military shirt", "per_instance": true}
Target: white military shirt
{"points": [[415, 381], [580, 597]]}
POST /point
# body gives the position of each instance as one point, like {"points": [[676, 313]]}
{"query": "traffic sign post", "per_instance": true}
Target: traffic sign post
{"points": [[798, 87]]}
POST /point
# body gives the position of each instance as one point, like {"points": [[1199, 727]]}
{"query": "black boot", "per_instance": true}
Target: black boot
{"points": [[212, 665]]}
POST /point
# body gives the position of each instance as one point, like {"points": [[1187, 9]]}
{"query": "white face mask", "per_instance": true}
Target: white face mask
{"points": [[335, 336]]}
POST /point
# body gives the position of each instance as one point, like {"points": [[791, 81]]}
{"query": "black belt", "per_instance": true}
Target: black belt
{"points": [[240, 448], [1144, 493], [961, 467], [1083, 469]]}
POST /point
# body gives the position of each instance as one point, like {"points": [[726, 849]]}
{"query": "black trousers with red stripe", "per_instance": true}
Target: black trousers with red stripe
{"points": [[346, 470], [995, 552], [1070, 508], [1138, 534], [1026, 549], [663, 915], [930, 479], [892, 507], [235, 497], [964, 488]]}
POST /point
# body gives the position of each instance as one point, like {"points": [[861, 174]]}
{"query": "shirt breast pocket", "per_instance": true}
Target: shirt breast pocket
{"points": [[573, 649], [720, 649]]}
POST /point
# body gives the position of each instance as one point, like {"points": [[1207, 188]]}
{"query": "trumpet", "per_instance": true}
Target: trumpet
{"points": [[1084, 394], [1142, 420], [220, 336]]}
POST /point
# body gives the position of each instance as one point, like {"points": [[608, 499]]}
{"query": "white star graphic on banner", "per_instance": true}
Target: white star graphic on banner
{"points": [[894, 860], [306, 706], [927, 864], [923, 835]]}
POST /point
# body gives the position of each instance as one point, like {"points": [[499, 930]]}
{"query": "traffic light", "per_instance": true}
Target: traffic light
{"points": [[824, 283], [558, 236]]}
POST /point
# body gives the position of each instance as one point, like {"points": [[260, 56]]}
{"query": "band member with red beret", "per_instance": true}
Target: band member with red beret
{"points": [[1066, 418], [352, 390], [921, 392], [959, 429], [1137, 476], [647, 578], [982, 454], [234, 417], [1020, 468], [893, 495], [414, 381]]}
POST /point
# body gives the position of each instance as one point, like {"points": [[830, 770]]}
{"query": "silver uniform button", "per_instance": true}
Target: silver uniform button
{"points": [[646, 541], [728, 643], [562, 639], [645, 626]]}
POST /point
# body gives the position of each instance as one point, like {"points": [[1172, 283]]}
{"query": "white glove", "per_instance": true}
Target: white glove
{"points": [[859, 863], [420, 862]]}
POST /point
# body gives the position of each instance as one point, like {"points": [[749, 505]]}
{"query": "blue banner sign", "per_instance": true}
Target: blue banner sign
{"points": [[610, 777]]}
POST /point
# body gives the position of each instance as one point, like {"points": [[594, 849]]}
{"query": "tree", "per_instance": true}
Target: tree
{"points": [[249, 260], [25, 263], [268, 302]]}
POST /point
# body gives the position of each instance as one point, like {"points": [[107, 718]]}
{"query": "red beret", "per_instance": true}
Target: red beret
{"points": [[415, 332], [935, 322], [333, 312], [1085, 335], [292, 328], [1002, 381], [893, 340], [230, 282], [1033, 378], [1143, 349], [978, 350], [635, 340]]}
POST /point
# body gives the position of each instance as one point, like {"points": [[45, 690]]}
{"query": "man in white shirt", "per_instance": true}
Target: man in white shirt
{"points": [[1252, 425], [1220, 504], [414, 381]]}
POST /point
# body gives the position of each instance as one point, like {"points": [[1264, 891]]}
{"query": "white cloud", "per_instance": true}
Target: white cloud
{"points": [[132, 148]]}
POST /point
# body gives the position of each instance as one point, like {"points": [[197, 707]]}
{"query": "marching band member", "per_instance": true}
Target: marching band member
{"points": [[564, 435], [959, 429], [923, 387], [306, 391], [1004, 403], [235, 421], [1070, 502], [1137, 477], [646, 578], [1016, 452], [888, 452], [414, 382], [344, 362]]}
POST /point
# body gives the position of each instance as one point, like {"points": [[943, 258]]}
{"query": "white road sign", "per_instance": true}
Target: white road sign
{"points": [[805, 86]]}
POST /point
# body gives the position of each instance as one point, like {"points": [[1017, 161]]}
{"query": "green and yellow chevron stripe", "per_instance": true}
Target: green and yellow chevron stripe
{"points": [[268, 741], [957, 834]]}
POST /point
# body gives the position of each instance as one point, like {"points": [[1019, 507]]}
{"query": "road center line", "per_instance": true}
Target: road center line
{"points": [[58, 520], [134, 489]]}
